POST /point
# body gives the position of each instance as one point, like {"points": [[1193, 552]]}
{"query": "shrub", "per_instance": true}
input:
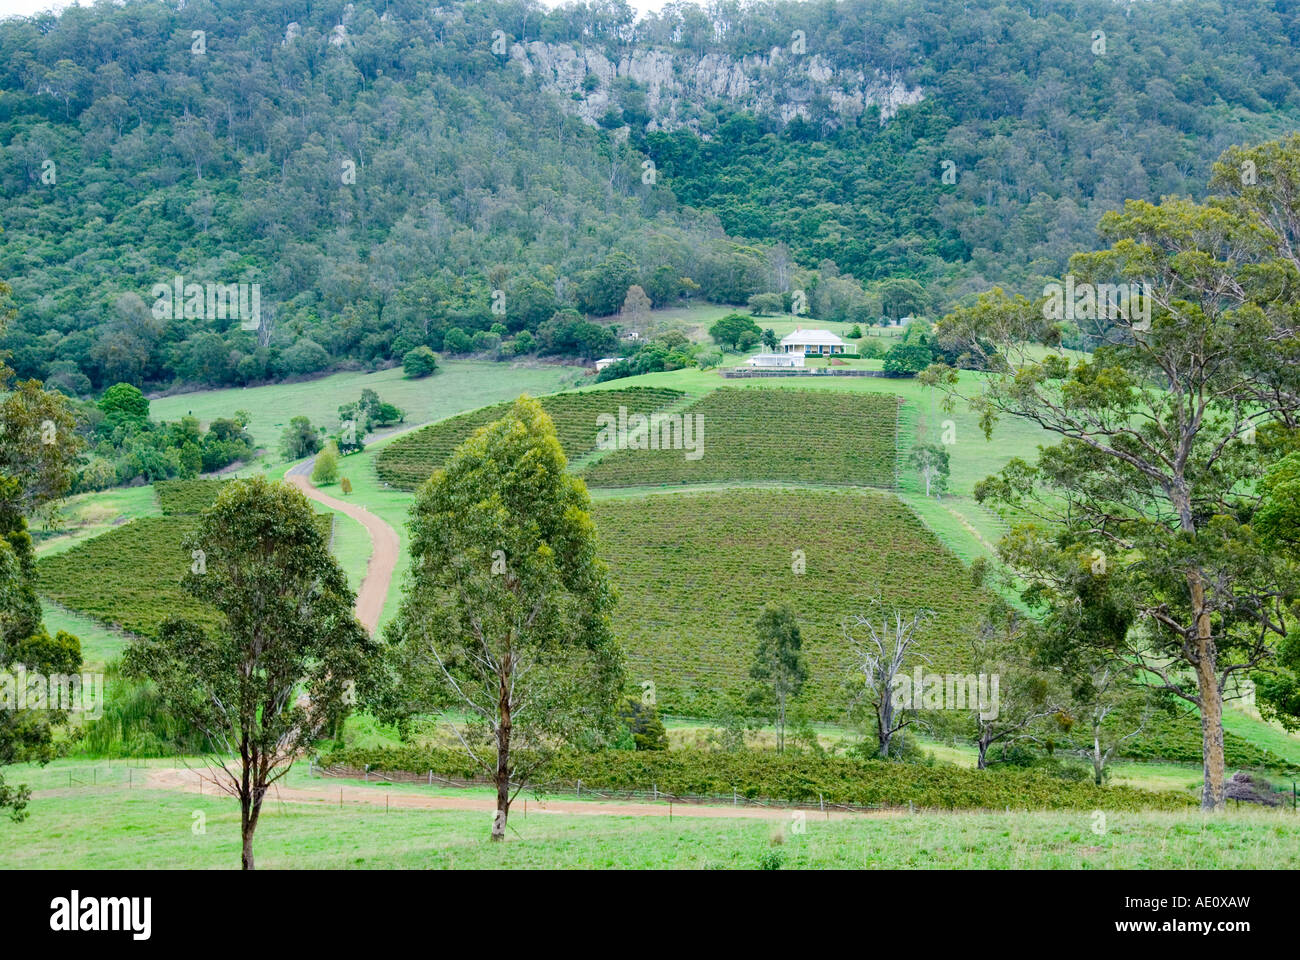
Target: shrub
{"points": [[345, 485], [326, 470], [305, 356], [419, 362], [907, 358]]}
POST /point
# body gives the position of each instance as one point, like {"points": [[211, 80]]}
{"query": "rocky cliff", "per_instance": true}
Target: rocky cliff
{"points": [[679, 85]]}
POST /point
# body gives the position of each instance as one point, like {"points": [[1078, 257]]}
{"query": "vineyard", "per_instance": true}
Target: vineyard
{"points": [[795, 436], [792, 776], [693, 572], [182, 497], [409, 460], [130, 577]]}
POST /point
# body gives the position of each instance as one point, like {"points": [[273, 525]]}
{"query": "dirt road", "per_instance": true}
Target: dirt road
{"points": [[329, 792], [383, 547]]}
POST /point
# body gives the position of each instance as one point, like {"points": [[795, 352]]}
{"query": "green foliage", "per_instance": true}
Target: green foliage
{"points": [[644, 728], [735, 330], [285, 623], [179, 497], [701, 566], [804, 436], [796, 777], [138, 447], [907, 358], [300, 439], [931, 461], [123, 401], [136, 723], [778, 669], [411, 459], [510, 599], [326, 469], [419, 362]]}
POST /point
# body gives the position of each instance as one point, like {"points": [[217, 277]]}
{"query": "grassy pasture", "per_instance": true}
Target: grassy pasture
{"points": [[111, 826], [457, 386]]}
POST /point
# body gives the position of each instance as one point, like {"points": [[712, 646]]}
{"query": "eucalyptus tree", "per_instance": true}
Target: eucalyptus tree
{"points": [[506, 615], [1164, 429], [288, 658]]}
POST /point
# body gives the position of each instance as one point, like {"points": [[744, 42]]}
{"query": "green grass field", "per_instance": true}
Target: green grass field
{"points": [[115, 827], [457, 386]]}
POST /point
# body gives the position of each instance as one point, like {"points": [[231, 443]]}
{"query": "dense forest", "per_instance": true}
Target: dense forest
{"points": [[390, 178]]}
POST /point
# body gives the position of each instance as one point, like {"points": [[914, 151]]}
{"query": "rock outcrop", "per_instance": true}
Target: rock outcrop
{"points": [[678, 84]]}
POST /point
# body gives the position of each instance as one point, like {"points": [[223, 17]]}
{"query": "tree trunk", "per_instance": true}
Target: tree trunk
{"points": [[1097, 762], [503, 760], [1207, 682], [983, 760], [1211, 738], [249, 811], [884, 725]]}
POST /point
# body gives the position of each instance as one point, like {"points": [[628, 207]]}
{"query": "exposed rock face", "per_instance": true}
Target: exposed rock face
{"points": [[780, 84]]}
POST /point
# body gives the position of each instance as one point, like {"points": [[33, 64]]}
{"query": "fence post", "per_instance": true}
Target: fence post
{"points": [[655, 788], [431, 777], [579, 788], [734, 800]]}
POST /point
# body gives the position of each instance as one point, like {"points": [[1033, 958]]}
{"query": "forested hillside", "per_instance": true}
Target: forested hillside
{"points": [[379, 169]]}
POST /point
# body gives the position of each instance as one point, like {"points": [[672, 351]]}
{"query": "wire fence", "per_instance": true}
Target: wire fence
{"points": [[576, 788]]}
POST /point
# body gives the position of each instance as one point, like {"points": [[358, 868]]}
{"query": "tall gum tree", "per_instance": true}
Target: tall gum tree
{"points": [[1164, 429], [289, 658], [506, 615]]}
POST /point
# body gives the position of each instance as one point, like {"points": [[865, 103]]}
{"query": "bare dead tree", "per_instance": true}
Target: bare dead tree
{"points": [[880, 639]]}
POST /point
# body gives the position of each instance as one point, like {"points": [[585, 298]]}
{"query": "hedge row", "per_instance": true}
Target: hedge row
{"points": [[792, 777]]}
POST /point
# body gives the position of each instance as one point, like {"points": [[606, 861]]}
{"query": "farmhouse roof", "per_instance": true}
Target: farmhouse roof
{"points": [[822, 337]]}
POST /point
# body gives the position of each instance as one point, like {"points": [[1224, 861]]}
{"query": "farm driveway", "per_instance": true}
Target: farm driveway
{"points": [[383, 540]]}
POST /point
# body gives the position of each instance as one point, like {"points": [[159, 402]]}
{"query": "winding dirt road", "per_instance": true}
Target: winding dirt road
{"points": [[383, 546]]}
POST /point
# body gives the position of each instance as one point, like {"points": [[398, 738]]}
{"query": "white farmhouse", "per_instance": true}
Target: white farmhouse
{"points": [[816, 343]]}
